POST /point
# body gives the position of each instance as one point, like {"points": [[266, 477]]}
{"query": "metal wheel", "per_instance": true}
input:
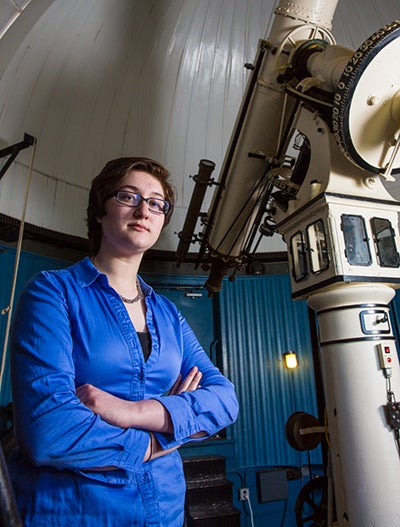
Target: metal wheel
{"points": [[311, 508], [365, 114], [293, 431]]}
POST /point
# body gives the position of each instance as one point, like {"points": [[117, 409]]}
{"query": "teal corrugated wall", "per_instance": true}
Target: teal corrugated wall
{"points": [[259, 323], [29, 264]]}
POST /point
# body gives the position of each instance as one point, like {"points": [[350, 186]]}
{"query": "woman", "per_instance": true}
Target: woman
{"points": [[106, 373]]}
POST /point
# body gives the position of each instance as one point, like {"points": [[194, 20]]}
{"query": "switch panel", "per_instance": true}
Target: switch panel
{"points": [[386, 352]]}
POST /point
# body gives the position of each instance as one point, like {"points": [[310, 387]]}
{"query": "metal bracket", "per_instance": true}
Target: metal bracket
{"points": [[14, 150]]}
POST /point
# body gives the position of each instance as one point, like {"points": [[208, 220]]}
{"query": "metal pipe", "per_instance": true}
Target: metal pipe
{"points": [[202, 180]]}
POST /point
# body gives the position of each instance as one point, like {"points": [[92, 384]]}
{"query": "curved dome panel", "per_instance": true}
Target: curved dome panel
{"points": [[92, 80]]}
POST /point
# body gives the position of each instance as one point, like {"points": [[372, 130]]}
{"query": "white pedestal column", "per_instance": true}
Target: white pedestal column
{"points": [[353, 322]]}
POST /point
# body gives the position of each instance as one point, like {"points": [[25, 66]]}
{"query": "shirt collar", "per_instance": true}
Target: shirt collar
{"points": [[87, 273]]}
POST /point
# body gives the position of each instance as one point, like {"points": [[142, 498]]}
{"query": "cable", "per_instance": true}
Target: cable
{"points": [[251, 511], [239, 475], [284, 513], [247, 498], [392, 407], [327, 439]]}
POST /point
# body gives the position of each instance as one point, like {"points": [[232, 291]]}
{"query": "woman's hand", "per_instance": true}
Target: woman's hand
{"points": [[146, 414], [189, 384], [112, 409]]}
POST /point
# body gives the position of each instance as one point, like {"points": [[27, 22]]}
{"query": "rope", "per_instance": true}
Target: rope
{"points": [[8, 309]]}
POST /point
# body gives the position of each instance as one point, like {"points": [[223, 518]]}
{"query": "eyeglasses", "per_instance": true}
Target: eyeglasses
{"points": [[132, 199]]}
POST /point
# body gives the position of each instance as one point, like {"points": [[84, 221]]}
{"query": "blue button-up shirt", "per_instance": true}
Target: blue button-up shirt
{"points": [[71, 328]]}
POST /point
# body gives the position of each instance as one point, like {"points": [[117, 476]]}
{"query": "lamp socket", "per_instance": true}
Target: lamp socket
{"points": [[244, 494]]}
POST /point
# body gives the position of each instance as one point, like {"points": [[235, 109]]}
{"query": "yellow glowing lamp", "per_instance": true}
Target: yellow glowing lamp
{"points": [[291, 361]]}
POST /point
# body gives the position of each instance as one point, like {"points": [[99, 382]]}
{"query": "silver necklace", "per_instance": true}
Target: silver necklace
{"points": [[125, 300], [138, 297]]}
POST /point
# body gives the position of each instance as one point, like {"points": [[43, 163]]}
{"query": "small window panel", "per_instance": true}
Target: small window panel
{"points": [[318, 249], [298, 250], [385, 244], [356, 240]]}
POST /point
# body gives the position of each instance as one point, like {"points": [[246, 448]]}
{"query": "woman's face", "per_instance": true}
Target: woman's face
{"points": [[132, 230]]}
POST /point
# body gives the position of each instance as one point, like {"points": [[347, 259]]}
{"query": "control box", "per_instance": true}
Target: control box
{"points": [[386, 353]]}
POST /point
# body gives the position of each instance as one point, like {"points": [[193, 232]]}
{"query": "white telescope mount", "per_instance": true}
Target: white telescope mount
{"points": [[341, 225]]}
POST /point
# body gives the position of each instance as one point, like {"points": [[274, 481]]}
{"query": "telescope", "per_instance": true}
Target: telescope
{"points": [[313, 153]]}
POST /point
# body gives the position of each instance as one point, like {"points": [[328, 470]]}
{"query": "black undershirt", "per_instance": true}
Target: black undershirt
{"points": [[145, 342]]}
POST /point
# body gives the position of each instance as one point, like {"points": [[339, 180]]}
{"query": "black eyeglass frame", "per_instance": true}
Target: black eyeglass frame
{"points": [[166, 205]]}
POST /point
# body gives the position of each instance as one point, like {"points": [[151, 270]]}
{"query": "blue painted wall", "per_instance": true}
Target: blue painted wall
{"points": [[246, 329], [28, 265], [259, 323]]}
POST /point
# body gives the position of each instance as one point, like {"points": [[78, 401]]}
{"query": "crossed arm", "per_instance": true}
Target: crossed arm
{"points": [[147, 414]]}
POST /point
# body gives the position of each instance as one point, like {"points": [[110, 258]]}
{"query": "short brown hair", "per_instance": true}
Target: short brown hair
{"points": [[109, 179]]}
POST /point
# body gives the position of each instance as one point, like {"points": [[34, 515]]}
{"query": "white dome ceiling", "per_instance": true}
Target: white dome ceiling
{"points": [[96, 79]]}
